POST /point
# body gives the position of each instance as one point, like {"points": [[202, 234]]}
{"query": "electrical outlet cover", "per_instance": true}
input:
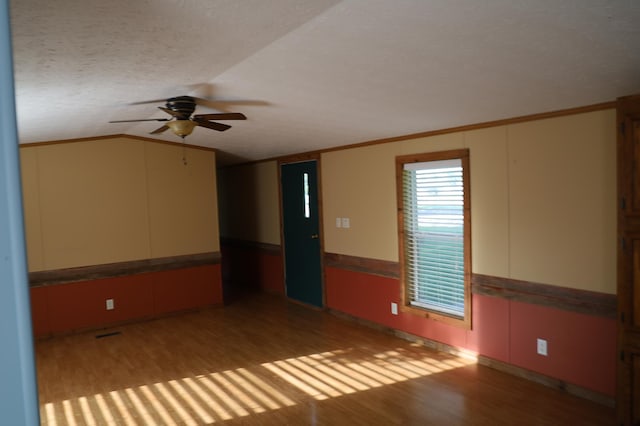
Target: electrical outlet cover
{"points": [[542, 347]]}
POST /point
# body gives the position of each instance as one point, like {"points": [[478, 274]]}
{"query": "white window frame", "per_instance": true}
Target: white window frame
{"points": [[461, 285]]}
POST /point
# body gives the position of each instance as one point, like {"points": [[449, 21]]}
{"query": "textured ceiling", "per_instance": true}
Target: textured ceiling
{"points": [[313, 74]]}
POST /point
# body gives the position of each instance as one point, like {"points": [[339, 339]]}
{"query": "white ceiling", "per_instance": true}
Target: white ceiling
{"points": [[314, 74]]}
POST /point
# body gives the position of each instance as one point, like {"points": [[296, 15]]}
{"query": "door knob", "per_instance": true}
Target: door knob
{"points": [[314, 236]]}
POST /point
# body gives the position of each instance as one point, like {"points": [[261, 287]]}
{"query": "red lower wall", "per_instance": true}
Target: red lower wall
{"points": [[248, 267], [81, 305], [581, 348]]}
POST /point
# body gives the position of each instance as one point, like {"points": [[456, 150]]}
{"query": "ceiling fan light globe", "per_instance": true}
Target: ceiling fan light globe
{"points": [[181, 128]]}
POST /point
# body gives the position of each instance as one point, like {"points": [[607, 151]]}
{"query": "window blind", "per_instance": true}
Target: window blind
{"points": [[434, 235]]}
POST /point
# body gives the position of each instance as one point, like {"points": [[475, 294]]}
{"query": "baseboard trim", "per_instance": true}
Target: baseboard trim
{"points": [[551, 382], [111, 326], [504, 367]]}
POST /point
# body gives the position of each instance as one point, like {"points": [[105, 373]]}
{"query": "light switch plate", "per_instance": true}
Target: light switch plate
{"points": [[346, 222], [338, 222]]}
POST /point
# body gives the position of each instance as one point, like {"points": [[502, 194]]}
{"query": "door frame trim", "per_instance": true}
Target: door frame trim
{"points": [[628, 229], [303, 158]]}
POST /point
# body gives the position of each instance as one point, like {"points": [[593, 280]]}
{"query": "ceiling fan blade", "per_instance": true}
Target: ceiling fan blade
{"points": [[159, 130], [212, 125], [221, 116], [218, 103], [153, 101], [142, 119]]}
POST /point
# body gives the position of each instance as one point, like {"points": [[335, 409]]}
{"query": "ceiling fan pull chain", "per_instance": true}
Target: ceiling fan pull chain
{"points": [[184, 152]]}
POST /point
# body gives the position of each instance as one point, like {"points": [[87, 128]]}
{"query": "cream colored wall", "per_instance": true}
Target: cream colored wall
{"points": [[542, 199], [489, 200], [562, 201], [359, 184], [31, 208], [182, 200], [250, 205], [113, 200]]}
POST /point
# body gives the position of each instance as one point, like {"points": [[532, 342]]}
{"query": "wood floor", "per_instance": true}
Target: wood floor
{"points": [[263, 361]]}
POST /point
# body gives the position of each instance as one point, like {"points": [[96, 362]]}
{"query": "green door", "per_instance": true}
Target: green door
{"points": [[303, 268]]}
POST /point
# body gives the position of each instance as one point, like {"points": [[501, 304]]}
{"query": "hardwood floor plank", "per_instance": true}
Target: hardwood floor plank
{"points": [[265, 361]]}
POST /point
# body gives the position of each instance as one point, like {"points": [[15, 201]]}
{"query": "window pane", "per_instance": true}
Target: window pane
{"points": [[434, 235], [305, 185]]}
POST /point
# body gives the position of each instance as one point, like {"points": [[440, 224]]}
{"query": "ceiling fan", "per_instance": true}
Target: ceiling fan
{"points": [[183, 122]]}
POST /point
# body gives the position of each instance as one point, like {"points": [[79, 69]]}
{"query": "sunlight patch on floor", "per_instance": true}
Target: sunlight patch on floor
{"points": [[332, 374], [222, 396], [203, 399]]}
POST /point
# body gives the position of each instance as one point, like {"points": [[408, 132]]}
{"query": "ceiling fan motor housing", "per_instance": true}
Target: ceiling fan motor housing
{"points": [[182, 123], [183, 105]]}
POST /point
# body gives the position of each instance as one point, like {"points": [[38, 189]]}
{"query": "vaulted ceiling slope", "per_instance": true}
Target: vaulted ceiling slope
{"points": [[314, 74]]}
